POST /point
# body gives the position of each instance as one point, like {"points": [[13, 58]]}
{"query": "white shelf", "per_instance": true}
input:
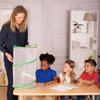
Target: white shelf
{"points": [[3, 84], [84, 33], [82, 39], [79, 68], [82, 49], [2, 67]]}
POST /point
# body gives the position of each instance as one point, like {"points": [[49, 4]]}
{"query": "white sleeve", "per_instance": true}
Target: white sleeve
{"points": [[60, 75]]}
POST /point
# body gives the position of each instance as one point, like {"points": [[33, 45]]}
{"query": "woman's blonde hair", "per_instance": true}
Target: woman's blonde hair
{"points": [[22, 27], [72, 74]]}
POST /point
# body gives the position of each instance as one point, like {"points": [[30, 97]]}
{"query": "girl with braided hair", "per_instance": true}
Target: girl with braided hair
{"points": [[68, 76]]}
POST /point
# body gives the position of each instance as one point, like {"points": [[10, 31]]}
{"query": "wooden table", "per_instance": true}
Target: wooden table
{"points": [[41, 90]]}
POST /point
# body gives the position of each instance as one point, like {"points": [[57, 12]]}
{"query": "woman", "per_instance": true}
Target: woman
{"points": [[13, 32]]}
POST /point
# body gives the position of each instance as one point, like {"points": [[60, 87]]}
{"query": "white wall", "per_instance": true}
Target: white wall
{"points": [[49, 25]]}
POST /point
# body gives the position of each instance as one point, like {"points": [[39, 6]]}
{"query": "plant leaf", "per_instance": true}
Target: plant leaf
{"points": [[75, 24], [81, 25], [99, 56]]}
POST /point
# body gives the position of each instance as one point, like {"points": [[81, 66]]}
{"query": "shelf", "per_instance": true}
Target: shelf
{"points": [[2, 67], [82, 50], [3, 84], [84, 33], [81, 43], [79, 68]]}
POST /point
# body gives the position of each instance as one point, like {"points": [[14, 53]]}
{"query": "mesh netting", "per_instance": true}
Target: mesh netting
{"points": [[24, 67]]}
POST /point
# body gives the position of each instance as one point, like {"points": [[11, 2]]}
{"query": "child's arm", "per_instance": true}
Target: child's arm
{"points": [[61, 81], [78, 83], [36, 80], [86, 81], [52, 82]]}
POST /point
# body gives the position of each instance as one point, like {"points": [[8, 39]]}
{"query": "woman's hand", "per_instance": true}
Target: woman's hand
{"points": [[27, 46], [9, 57]]}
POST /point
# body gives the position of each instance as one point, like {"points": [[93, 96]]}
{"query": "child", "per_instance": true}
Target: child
{"points": [[89, 76], [46, 74], [68, 76]]}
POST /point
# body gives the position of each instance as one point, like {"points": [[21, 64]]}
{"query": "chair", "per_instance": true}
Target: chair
{"points": [[98, 97], [99, 81]]}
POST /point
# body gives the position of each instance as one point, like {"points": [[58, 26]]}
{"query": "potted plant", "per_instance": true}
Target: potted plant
{"points": [[99, 56], [77, 27]]}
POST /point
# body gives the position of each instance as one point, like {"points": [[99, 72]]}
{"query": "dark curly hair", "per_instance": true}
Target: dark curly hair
{"points": [[48, 57]]}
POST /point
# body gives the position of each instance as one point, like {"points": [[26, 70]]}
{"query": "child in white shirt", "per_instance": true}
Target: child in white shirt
{"points": [[68, 76]]}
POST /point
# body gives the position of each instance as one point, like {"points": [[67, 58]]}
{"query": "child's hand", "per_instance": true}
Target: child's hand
{"points": [[46, 84], [79, 84], [80, 81]]}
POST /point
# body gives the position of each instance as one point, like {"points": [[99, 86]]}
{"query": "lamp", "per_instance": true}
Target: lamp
{"points": [[89, 17]]}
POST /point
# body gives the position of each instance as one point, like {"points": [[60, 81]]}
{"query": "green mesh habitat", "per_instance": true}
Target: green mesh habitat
{"points": [[24, 67]]}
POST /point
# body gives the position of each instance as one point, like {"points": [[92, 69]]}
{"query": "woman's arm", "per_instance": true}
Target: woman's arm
{"points": [[27, 44], [3, 36], [9, 57]]}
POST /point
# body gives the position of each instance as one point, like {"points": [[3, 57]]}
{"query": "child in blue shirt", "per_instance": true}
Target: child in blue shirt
{"points": [[46, 74]]}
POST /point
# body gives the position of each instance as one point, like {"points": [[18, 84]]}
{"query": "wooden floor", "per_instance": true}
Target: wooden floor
{"points": [[3, 93]]}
